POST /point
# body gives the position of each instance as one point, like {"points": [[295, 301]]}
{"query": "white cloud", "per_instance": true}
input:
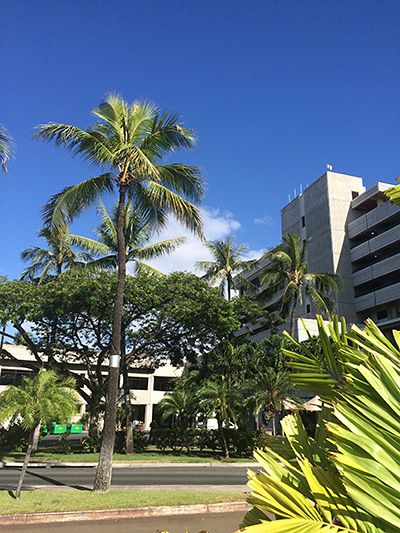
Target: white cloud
{"points": [[216, 226], [265, 221]]}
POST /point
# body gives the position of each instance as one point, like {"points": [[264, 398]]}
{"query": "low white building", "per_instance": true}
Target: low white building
{"points": [[147, 387]]}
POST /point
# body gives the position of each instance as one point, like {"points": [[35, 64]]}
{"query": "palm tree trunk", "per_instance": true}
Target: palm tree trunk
{"points": [[223, 437], [293, 314], [102, 480], [229, 282], [32, 445]]}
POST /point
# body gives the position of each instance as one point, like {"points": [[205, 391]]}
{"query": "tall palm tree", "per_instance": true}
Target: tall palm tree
{"points": [[6, 147], [268, 389], [220, 397], [288, 272], [128, 143], [40, 399], [137, 232], [183, 404], [228, 260], [57, 258]]}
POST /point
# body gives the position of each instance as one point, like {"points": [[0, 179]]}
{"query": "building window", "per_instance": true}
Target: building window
{"points": [[138, 383], [303, 221], [354, 194], [308, 309], [163, 384], [11, 376], [382, 314]]}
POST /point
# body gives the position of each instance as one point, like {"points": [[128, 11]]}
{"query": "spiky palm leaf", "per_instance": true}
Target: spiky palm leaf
{"points": [[7, 147]]}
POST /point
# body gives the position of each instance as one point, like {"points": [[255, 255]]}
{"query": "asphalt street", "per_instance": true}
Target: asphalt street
{"points": [[166, 478]]}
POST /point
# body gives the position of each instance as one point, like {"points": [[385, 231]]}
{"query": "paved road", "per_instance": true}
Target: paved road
{"points": [[172, 478], [213, 523]]}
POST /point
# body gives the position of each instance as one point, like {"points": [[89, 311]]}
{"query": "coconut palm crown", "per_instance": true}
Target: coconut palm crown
{"points": [[58, 257], [137, 233], [288, 272], [228, 261]]}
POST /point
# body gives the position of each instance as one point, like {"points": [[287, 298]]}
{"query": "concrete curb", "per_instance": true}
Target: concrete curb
{"points": [[130, 464], [106, 514]]}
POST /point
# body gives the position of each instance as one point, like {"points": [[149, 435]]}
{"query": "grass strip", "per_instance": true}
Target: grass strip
{"points": [[59, 501]]}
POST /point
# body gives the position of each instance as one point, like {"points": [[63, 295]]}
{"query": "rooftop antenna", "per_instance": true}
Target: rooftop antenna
{"points": [[329, 167], [301, 188], [295, 193], [289, 198]]}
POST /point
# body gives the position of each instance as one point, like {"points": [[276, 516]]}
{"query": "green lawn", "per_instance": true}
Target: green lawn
{"points": [[46, 502], [152, 455]]}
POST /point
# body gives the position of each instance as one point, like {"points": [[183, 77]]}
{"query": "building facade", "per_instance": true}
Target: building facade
{"points": [[147, 387], [356, 233]]}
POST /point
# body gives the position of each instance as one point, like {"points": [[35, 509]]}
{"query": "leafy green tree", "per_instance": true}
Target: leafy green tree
{"points": [[137, 233], [171, 317], [129, 144], [288, 273], [40, 399], [228, 261], [6, 147], [58, 257], [184, 405], [221, 398]]}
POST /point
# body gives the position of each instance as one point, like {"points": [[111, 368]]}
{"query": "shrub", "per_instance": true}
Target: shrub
{"points": [[139, 441], [14, 439], [90, 444]]}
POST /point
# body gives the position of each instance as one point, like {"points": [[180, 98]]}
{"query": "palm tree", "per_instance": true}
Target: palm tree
{"points": [[222, 399], [182, 404], [228, 260], [128, 143], [6, 147], [137, 232], [288, 272], [40, 399], [269, 388], [58, 257]]}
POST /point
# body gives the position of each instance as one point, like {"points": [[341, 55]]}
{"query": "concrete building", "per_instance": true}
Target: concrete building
{"points": [[356, 233], [147, 387]]}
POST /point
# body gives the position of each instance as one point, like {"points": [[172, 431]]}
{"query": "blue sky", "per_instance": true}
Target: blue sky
{"points": [[274, 90]]}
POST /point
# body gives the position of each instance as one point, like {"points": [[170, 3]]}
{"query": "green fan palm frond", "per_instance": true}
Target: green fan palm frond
{"points": [[356, 486]]}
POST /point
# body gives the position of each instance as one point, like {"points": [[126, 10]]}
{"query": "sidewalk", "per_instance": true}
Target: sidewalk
{"points": [[113, 514]]}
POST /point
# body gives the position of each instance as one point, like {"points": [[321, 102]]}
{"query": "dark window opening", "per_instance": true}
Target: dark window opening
{"points": [[138, 383], [163, 384], [303, 221], [382, 314], [11, 376], [308, 309]]}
